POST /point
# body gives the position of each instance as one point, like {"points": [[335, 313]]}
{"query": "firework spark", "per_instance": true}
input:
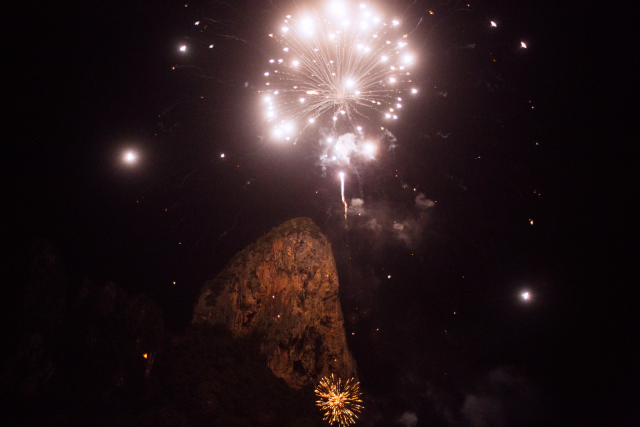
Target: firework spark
{"points": [[344, 66], [339, 399]]}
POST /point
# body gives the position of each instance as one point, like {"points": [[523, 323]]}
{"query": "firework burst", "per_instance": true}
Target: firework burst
{"points": [[340, 400], [344, 64]]}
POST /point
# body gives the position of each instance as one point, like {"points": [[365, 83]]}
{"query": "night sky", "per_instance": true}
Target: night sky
{"points": [[499, 137]]}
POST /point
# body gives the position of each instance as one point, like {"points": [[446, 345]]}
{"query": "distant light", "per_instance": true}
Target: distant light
{"points": [[222, 156], [130, 157], [359, 128], [526, 296], [414, 90], [493, 24], [210, 46], [183, 48], [311, 120], [392, 80], [197, 23], [266, 74], [286, 49], [144, 355], [389, 277], [523, 45], [395, 22], [285, 29], [295, 63]]}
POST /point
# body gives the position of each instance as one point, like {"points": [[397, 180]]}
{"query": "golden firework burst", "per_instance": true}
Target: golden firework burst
{"points": [[340, 400]]}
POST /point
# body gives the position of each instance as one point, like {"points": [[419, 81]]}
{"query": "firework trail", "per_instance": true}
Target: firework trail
{"points": [[343, 64], [343, 200]]}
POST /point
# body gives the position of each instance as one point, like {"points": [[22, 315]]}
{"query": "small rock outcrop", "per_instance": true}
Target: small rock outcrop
{"points": [[284, 289]]}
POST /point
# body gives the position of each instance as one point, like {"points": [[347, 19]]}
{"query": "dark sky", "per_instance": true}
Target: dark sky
{"points": [[89, 81]]}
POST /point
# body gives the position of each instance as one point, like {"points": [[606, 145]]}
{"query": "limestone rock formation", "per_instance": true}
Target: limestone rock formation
{"points": [[284, 289]]}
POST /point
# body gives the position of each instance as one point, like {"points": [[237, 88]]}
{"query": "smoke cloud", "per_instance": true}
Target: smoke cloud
{"points": [[408, 419]]}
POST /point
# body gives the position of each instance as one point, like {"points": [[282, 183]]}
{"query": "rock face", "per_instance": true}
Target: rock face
{"points": [[284, 289]]}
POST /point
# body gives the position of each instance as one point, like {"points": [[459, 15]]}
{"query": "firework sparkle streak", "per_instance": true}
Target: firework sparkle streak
{"points": [[339, 399], [343, 65], [342, 194]]}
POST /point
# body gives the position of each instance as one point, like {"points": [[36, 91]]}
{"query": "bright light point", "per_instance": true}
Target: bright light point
{"points": [[395, 22], [280, 60], [493, 24], [395, 117], [342, 112], [387, 115], [400, 44], [266, 74], [392, 80], [526, 296], [267, 98], [523, 45], [197, 23], [399, 105], [384, 58], [130, 157], [222, 156], [399, 99], [295, 63], [369, 148], [341, 175], [210, 46], [407, 59], [276, 92], [414, 90], [272, 61], [357, 92], [359, 128], [376, 20], [335, 118], [329, 139], [183, 48], [301, 99], [389, 277], [286, 49], [285, 29], [312, 120]]}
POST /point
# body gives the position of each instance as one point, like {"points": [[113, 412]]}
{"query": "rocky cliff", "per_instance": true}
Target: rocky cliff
{"points": [[284, 289]]}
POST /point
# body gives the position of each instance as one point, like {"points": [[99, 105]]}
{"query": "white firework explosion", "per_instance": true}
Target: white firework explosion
{"points": [[349, 64]]}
